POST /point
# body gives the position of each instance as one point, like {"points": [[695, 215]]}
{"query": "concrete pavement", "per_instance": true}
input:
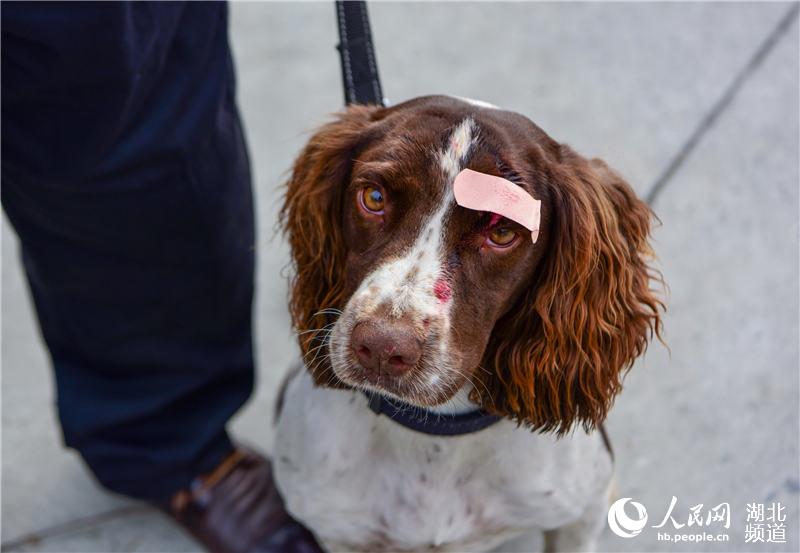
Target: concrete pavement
{"points": [[712, 420]]}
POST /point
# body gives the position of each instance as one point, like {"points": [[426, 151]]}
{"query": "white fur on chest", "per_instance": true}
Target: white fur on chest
{"points": [[363, 483]]}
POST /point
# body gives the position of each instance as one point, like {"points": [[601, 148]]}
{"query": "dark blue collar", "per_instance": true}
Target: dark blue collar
{"points": [[427, 422]]}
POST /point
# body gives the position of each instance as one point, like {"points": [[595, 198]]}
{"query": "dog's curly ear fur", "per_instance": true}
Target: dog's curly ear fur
{"points": [[558, 356], [310, 219]]}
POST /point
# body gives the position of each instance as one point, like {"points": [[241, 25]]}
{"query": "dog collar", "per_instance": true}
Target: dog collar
{"points": [[427, 422]]}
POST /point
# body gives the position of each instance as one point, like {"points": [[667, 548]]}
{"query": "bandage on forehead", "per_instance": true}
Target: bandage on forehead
{"points": [[482, 192]]}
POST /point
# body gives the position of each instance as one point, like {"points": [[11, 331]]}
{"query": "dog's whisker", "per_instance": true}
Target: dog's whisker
{"points": [[325, 328]]}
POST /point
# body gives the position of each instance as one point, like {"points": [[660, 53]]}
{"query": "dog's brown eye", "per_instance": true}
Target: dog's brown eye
{"points": [[501, 236], [372, 199]]}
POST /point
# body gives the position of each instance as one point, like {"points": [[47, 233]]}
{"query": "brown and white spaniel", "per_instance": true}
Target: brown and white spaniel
{"points": [[400, 292]]}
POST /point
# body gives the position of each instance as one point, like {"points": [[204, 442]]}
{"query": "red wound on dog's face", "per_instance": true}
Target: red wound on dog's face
{"points": [[442, 291]]}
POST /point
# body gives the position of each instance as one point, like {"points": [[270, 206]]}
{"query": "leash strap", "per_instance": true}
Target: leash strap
{"points": [[359, 66]]}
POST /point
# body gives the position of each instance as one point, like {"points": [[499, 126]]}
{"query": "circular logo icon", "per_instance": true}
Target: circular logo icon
{"points": [[623, 525]]}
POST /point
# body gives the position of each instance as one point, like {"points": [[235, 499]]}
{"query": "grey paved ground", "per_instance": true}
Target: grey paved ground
{"points": [[713, 420]]}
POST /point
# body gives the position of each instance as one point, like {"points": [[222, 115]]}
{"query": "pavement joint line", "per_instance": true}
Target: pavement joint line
{"points": [[722, 103], [73, 526]]}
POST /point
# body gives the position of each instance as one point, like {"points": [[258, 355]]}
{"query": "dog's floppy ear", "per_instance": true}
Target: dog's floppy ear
{"points": [[310, 218], [558, 356]]}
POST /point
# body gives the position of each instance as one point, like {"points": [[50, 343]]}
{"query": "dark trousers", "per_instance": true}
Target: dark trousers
{"points": [[125, 175]]}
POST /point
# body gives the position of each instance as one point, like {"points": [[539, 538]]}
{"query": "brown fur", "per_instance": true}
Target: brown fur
{"points": [[567, 332], [559, 355], [310, 216]]}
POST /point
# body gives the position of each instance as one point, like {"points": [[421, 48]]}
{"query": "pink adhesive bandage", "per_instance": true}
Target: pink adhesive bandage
{"points": [[483, 192]]}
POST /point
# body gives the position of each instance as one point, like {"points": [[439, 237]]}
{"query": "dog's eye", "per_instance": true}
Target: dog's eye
{"points": [[371, 199], [501, 237]]}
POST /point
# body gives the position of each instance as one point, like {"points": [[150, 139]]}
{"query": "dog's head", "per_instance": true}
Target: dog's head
{"points": [[400, 290]]}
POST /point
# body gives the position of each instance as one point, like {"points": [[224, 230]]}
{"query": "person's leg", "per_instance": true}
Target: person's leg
{"points": [[126, 177], [143, 288]]}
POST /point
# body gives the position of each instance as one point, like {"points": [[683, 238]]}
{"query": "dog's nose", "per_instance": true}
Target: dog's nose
{"points": [[392, 348]]}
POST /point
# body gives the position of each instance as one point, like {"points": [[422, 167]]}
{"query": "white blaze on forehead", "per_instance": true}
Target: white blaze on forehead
{"points": [[452, 158], [406, 284]]}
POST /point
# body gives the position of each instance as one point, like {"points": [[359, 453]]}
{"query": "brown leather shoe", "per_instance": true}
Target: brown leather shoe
{"points": [[236, 509]]}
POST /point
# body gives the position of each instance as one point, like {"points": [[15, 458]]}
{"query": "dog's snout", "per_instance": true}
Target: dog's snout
{"points": [[384, 347]]}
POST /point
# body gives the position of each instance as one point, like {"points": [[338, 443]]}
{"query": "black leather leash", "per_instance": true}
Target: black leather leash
{"points": [[359, 64]]}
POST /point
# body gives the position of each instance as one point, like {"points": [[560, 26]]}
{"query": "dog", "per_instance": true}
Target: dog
{"points": [[458, 364]]}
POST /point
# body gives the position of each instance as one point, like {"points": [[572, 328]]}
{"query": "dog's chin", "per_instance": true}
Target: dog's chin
{"points": [[406, 388]]}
